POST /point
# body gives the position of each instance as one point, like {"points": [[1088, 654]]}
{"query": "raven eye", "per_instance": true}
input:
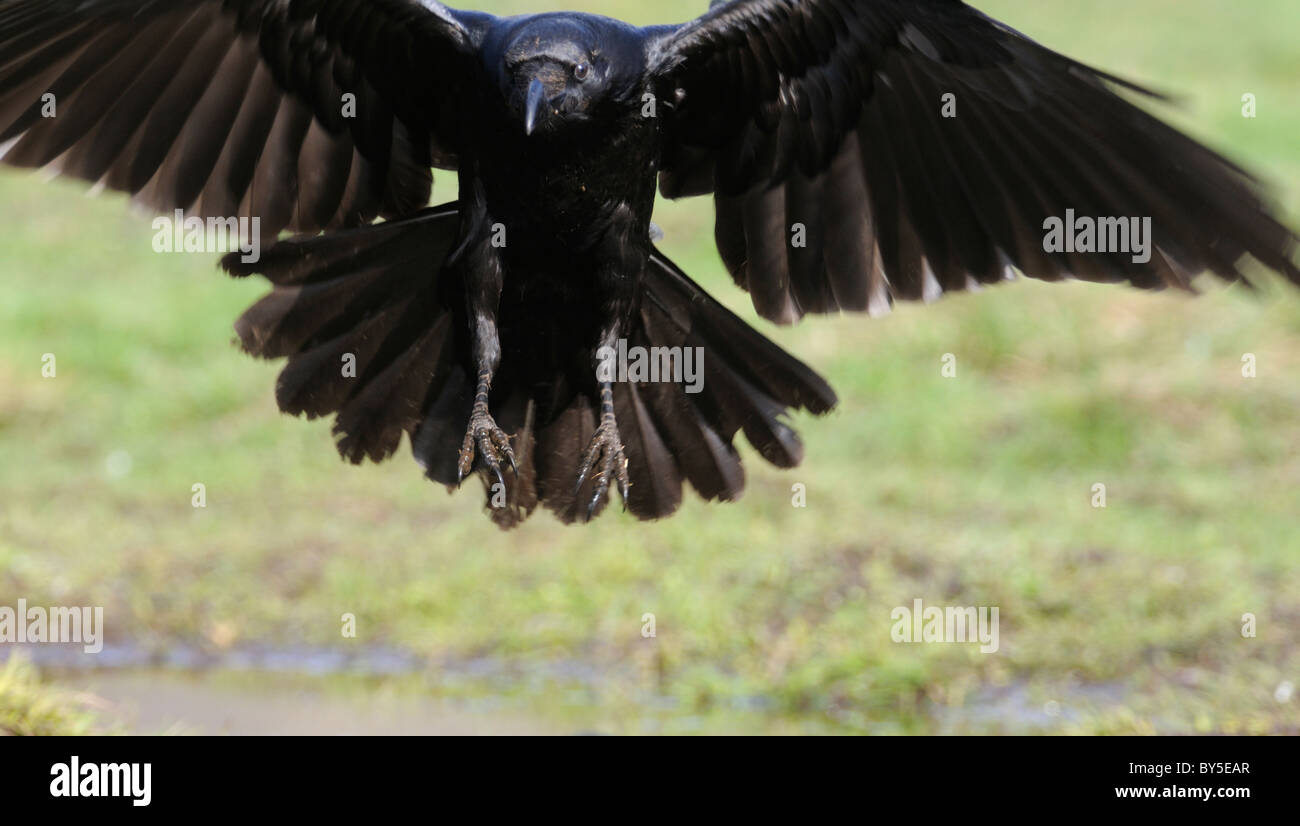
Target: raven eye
{"points": [[581, 71]]}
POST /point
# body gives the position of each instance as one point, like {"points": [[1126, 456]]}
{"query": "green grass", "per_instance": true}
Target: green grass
{"points": [[967, 491], [30, 707]]}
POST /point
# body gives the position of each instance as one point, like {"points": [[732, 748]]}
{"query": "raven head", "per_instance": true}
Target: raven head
{"points": [[559, 71]]}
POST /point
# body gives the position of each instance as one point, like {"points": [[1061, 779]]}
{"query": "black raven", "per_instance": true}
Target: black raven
{"points": [[857, 151]]}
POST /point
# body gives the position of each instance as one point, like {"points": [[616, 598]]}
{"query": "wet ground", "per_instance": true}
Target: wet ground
{"points": [[268, 691], [151, 702], [306, 691]]}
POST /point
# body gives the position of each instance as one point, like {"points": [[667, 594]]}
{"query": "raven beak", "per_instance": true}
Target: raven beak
{"points": [[535, 105]]}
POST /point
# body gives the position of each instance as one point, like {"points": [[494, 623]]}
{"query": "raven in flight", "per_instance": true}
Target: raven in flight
{"points": [[857, 151]]}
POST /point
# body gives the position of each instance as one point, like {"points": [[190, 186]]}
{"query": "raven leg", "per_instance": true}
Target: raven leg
{"points": [[483, 296], [492, 443], [606, 449], [618, 285]]}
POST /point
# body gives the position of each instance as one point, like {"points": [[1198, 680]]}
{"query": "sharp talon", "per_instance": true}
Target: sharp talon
{"points": [[501, 440], [587, 465], [486, 443], [595, 502], [607, 449]]}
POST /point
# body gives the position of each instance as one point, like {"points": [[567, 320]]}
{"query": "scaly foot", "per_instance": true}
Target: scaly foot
{"points": [[607, 449], [493, 444]]}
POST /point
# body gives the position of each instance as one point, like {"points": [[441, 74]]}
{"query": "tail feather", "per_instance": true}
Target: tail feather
{"points": [[655, 483], [732, 341], [342, 254], [749, 384], [437, 438], [739, 405], [366, 330], [317, 381], [371, 424], [561, 446], [509, 508], [280, 324], [375, 333], [709, 463]]}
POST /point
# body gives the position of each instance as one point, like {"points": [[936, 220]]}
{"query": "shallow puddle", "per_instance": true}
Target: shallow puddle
{"points": [[152, 702]]}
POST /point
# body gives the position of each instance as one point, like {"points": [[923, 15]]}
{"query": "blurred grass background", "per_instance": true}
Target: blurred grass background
{"points": [[968, 491]]}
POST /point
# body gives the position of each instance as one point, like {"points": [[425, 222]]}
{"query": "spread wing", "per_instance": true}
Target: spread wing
{"points": [[922, 147], [308, 114]]}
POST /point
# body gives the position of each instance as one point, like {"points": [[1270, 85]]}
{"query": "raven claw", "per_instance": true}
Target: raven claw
{"points": [[607, 448], [492, 443]]}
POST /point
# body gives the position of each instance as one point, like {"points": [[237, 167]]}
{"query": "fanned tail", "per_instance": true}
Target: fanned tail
{"points": [[373, 332]]}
